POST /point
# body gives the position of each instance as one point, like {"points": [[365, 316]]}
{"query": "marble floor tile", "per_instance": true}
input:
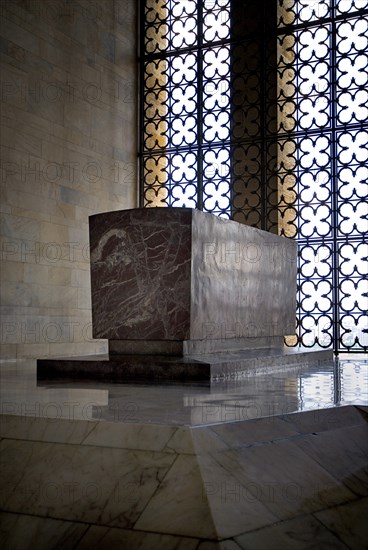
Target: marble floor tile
{"points": [[363, 409], [359, 436], [22, 532], [338, 453], [130, 436], [205, 440], [320, 420], [284, 478], [110, 538], [222, 545], [179, 465], [21, 395], [81, 483], [181, 441], [348, 522], [303, 533], [14, 459], [53, 430], [180, 504], [243, 434], [233, 508]]}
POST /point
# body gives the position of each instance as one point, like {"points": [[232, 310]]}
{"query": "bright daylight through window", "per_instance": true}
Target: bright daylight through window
{"points": [[257, 111]]}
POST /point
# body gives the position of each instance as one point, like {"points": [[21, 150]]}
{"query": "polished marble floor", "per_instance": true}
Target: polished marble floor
{"points": [[267, 462], [334, 384]]}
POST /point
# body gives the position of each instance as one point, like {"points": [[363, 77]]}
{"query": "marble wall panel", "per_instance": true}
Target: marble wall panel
{"points": [[68, 142]]}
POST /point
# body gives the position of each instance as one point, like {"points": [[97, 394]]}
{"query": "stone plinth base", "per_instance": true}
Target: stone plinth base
{"points": [[157, 367]]}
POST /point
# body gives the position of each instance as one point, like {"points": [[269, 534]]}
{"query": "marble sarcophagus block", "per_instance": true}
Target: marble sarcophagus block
{"points": [[180, 281]]}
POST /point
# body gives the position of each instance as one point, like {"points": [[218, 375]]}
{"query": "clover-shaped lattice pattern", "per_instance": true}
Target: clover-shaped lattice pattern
{"points": [[257, 111]]}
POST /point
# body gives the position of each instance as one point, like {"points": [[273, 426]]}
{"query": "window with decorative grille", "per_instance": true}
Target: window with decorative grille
{"points": [[257, 111]]}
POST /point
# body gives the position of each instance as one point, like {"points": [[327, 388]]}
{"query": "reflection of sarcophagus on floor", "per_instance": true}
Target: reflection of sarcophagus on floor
{"points": [[183, 294]]}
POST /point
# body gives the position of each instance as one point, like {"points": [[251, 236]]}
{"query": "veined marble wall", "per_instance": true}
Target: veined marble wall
{"points": [[68, 150]]}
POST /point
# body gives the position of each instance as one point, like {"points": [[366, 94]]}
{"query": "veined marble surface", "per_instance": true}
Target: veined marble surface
{"points": [[180, 274], [141, 274], [261, 464], [245, 484]]}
